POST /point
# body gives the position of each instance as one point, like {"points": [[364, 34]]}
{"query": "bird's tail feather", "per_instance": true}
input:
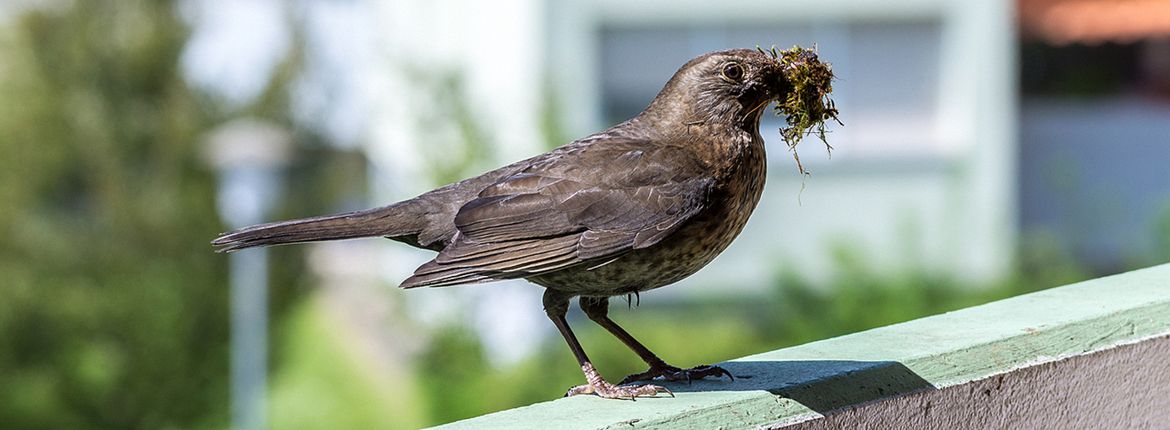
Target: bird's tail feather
{"points": [[384, 221]]}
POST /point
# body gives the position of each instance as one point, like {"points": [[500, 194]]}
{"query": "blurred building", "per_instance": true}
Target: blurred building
{"points": [[922, 174]]}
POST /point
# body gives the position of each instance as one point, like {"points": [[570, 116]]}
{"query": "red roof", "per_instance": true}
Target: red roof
{"points": [[1094, 21]]}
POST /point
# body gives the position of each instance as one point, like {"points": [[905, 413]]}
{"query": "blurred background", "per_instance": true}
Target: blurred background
{"points": [[990, 149]]}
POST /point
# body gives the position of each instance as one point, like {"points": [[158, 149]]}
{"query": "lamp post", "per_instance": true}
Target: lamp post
{"points": [[249, 155]]}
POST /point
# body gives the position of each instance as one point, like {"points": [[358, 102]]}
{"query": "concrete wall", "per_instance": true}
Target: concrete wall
{"points": [[1125, 387]]}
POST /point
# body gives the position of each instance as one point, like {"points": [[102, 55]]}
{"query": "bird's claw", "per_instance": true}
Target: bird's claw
{"points": [[599, 386], [607, 390], [671, 373]]}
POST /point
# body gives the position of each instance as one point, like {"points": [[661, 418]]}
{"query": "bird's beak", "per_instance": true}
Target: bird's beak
{"points": [[781, 85]]}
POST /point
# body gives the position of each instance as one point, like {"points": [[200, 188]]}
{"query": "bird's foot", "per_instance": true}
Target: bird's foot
{"points": [[606, 390], [671, 373]]}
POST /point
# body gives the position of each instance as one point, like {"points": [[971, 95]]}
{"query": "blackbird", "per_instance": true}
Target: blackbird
{"points": [[632, 208]]}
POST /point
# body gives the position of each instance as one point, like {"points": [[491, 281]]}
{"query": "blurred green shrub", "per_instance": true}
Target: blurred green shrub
{"points": [[113, 309]]}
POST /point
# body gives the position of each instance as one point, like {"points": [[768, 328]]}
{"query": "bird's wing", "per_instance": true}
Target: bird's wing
{"points": [[580, 204]]}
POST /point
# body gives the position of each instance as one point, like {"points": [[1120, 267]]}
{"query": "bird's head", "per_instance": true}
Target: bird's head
{"points": [[723, 87], [734, 87]]}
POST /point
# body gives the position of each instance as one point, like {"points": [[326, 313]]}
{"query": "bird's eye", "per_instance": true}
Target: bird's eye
{"points": [[733, 71]]}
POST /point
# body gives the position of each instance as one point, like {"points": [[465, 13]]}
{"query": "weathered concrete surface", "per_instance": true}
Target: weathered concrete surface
{"points": [[1125, 387], [923, 357]]}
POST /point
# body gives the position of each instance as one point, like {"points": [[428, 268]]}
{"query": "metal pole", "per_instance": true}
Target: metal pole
{"points": [[249, 155], [249, 342]]}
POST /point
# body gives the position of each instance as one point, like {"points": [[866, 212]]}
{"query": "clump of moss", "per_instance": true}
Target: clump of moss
{"points": [[807, 106]]}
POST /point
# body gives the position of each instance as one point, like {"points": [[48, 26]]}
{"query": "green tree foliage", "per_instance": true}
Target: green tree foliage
{"points": [[113, 310]]}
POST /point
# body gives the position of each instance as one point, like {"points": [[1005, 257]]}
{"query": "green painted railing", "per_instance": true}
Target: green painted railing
{"points": [[798, 383]]}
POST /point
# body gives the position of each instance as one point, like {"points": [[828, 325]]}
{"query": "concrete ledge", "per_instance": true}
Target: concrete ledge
{"points": [[1091, 350]]}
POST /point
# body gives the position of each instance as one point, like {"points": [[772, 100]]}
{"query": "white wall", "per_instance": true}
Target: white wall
{"points": [[937, 190]]}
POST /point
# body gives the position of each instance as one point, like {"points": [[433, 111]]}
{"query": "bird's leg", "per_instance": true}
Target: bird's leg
{"points": [[597, 308], [556, 305]]}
